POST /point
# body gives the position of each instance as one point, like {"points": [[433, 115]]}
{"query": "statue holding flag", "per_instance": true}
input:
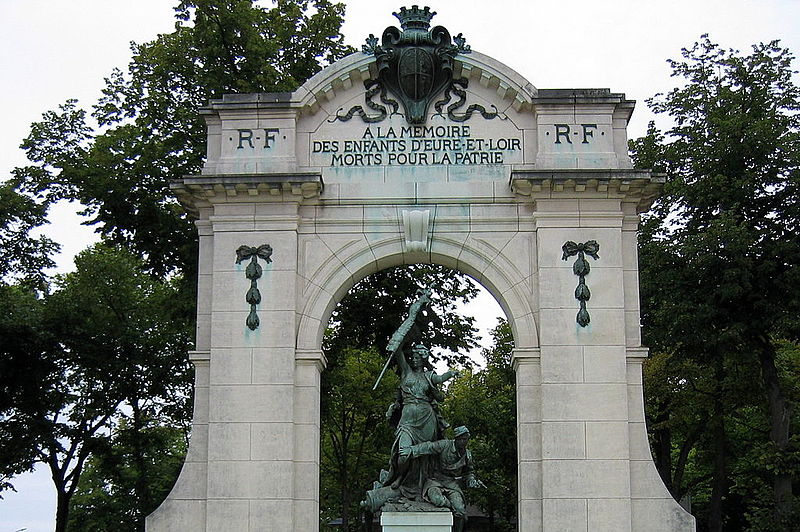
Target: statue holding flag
{"points": [[415, 413]]}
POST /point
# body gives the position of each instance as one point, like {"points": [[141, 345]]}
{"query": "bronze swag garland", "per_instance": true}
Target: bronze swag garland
{"points": [[581, 269], [253, 272]]}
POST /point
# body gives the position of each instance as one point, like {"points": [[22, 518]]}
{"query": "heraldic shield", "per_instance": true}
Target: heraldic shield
{"points": [[415, 64], [416, 73]]}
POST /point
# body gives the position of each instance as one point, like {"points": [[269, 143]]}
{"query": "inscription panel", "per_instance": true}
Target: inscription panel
{"points": [[438, 142]]}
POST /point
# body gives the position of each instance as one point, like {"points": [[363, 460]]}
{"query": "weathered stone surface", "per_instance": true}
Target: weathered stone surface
{"points": [[283, 170], [416, 521]]}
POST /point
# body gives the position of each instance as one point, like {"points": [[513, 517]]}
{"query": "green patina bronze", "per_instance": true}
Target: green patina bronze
{"points": [[581, 269], [415, 65], [427, 472], [253, 272]]}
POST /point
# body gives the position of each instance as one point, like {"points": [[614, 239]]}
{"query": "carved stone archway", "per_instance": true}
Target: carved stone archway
{"points": [[495, 182]]}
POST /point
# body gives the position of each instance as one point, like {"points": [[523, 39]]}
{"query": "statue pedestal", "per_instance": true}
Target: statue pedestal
{"points": [[417, 521]]}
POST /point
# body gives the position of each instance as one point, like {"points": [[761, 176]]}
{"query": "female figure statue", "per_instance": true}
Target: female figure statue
{"points": [[420, 420], [415, 412]]}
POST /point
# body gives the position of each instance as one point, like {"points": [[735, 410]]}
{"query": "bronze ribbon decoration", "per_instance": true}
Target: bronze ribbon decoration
{"points": [[253, 272], [581, 269]]}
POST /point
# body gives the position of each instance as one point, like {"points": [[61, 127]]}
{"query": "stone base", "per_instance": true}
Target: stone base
{"points": [[417, 521]]}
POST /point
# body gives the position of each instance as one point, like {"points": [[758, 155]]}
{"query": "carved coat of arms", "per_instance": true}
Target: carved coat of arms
{"points": [[415, 65]]}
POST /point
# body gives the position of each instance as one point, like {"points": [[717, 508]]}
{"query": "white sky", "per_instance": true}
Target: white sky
{"points": [[53, 50]]}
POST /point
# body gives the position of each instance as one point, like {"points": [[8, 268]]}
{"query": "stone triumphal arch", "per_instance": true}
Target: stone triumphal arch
{"points": [[418, 149]]}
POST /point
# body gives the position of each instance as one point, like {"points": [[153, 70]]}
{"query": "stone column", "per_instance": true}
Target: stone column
{"points": [[251, 440], [185, 507], [585, 472], [307, 386], [527, 366]]}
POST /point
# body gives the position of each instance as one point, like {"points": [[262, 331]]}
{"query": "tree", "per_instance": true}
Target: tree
{"points": [[705, 426], [485, 402], [355, 436], [109, 494], [719, 287], [150, 129], [118, 319], [104, 339], [753, 471], [678, 405], [23, 258], [24, 374]]}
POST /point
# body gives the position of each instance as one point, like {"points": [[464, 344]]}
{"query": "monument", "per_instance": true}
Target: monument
{"points": [[419, 149]]}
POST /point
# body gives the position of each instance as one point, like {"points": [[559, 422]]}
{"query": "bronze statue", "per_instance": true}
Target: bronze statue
{"points": [[450, 472], [425, 470], [419, 420]]}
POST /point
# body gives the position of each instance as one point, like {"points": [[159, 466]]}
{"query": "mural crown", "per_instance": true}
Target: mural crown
{"points": [[415, 18]]}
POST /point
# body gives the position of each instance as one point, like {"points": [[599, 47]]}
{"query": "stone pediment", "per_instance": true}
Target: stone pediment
{"points": [[322, 89]]}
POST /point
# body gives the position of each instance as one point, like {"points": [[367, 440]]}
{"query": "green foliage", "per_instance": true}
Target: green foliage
{"points": [[105, 339], [678, 404], [717, 282], [27, 379], [117, 330], [23, 258], [115, 318], [354, 433], [109, 495], [485, 402], [252, 48]]}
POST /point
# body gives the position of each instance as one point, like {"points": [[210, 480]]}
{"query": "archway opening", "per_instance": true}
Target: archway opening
{"points": [[471, 334]]}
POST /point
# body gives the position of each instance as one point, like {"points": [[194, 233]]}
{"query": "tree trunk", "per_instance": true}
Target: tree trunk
{"points": [[779, 424], [345, 504], [683, 456], [62, 493], [62, 510], [719, 481], [662, 447]]}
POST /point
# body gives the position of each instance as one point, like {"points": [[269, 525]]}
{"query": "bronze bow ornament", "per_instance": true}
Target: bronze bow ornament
{"points": [[581, 269]]}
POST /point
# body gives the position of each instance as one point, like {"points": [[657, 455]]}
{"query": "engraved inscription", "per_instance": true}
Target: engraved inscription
{"points": [[249, 139], [563, 131], [417, 145]]}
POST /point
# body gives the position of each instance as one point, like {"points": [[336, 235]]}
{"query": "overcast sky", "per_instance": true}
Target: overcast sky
{"points": [[53, 50]]}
